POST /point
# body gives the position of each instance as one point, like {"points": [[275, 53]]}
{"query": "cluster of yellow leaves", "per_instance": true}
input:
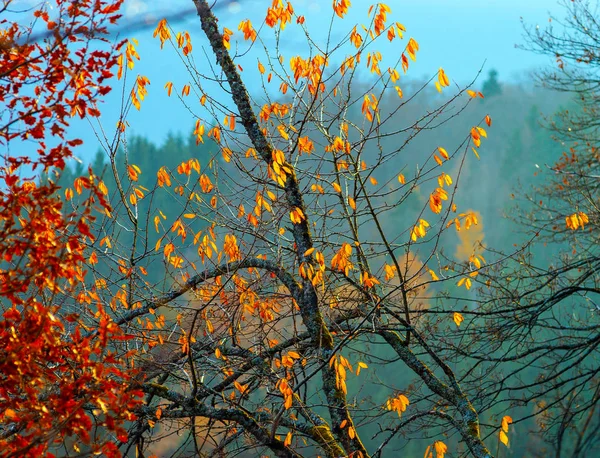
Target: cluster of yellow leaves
{"points": [[370, 102], [179, 228], [373, 59], [137, 194], [162, 31], [184, 41], [130, 53], [341, 260], [380, 17], [469, 219], [278, 109], [206, 245], [397, 404], [229, 121], [474, 94], [227, 37], [297, 215], [186, 167], [278, 168], [215, 134], [278, 13], [308, 271], [288, 360], [305, 145], [247, 29], [231, 249], [442, 81], [503, 434], [133, 172], [419, 230], [440, 450], [205, 183], [577, 220], [476, 134], [458, 318], [443, 153], [368, 280], [356, 38], [411, 48], [311, 69], [157, 219], [444, 179], [138, 93], [435, 199], [477, 261], [340, 364], [286, 391], [340, 145], [390, 271], [341, 7], [227, 153], [464, 281], [199, 132], [397, 31]]}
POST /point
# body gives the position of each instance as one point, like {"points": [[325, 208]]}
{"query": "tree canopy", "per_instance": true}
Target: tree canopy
{"points": [[304, 274]]}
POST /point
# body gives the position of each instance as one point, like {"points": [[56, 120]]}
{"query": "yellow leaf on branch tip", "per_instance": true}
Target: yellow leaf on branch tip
{"points": [[352, 203], [337, 187], [458, 318], [440, 449]]}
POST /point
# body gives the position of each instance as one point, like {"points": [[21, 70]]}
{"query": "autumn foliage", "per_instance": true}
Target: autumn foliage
{"points": [[53, 365], [250, 297]]}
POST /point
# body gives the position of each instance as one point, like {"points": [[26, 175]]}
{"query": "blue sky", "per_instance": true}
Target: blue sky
{"points": [[462, 36]]}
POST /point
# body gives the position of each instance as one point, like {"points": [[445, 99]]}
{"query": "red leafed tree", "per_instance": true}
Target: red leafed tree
{"points": [[57, 377]]}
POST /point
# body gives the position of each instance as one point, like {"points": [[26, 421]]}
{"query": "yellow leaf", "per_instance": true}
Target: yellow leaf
{"points": [[503, 438], [361, 365], [458, 318], [309, 251], [352, 203], [337, 187], [351, 432], [506, 420], [440, 449]]}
